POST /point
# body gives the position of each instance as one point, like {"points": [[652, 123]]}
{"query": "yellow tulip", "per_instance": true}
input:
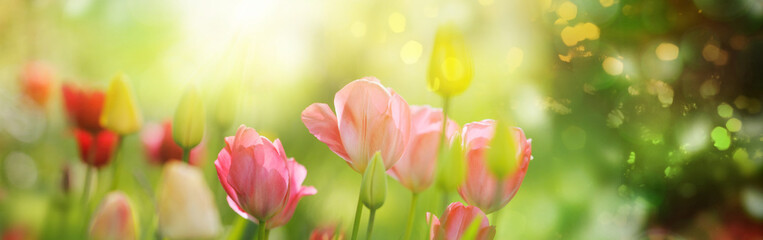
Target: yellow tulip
{"points": [[189, 122], [450, 68], [502, 148], [186, 207], [451, 169], [120, 113]]}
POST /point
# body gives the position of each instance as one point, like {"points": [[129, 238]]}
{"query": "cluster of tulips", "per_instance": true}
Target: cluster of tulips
{"points": [[371, 127]]}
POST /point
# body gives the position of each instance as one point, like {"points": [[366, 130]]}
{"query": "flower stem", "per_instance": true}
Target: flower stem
{"points": [[187, 155], [261, 229], [86, 189], [370, 224], [411, 215], [358, 213], [115, 163], [443, 142]]}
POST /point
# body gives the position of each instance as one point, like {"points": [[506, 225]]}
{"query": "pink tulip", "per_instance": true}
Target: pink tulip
{"points": [[261, 182], [114, 218], [456, 221], [415, 170], [481, 188], [369, 118]]}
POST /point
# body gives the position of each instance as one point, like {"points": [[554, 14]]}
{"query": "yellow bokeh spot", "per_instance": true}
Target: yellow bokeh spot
{"points": [[515, 58], [567, 11], [590, 31], [667, 51], [606, 3], [411, 52], [358, 29], [582, 31], [570, 37], [486, 2], [396, 22], [612, 66]]}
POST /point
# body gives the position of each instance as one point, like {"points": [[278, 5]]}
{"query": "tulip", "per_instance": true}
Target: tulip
{"points": [[450, 169], [415, 169], [83, 107], [450, 68], [36, 80], [114, 218], [161, 148], [185, 204], [482, 188], [120, 113], [189, 120], [459, 222], [263, 185], [96, 149], [327, 232], [369, 118]]}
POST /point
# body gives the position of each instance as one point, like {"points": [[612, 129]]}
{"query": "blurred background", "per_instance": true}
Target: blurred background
{"points": [[645, 115]]}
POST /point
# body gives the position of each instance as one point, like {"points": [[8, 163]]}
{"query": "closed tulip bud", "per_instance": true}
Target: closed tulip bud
{"points": [[189, 121], [450, 68], [450, 170], [120, 113], [186, 207], [502, 147], [373, 190], [114, 218]]}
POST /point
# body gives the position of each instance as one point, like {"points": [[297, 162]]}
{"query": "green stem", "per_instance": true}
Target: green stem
{"points": [[358, 214], [115, 162], [86, 189], [443, 143], [411, 215], [267, 234], [187, 155], [370, 224], [261, 231]]}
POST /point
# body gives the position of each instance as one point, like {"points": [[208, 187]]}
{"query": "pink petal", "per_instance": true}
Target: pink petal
{"points": [[321, 122], [363, 120]]}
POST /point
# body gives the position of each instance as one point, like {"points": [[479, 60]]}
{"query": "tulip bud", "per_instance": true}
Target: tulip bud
{"points": [[227, 104], [37, 80], [373, 190], [188, 124], [114, 218], [186, 207], [450, 169], [120, 113], [450, 68], [502, 147]]}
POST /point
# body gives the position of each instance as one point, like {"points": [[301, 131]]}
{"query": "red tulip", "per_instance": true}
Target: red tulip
{"points": [[161, 148], [36, 80], [481, 188], [96, 149], [83, 107], [369, 118], [456, 221], [415, 170], [327, 232], [261, 182]]}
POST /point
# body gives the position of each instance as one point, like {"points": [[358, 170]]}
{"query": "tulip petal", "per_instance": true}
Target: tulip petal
{"points": [[321, 122], [478, 134], [222, 164], [236, 208], [362, 109]]}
